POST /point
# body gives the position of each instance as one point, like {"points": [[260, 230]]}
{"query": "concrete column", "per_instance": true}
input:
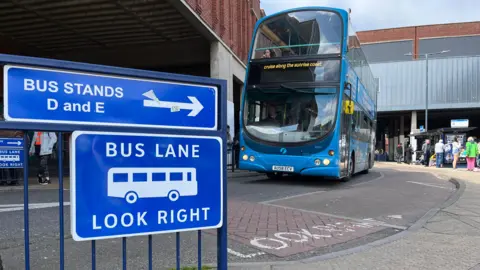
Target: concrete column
{"points": [[395, 132], [413, 123], [221, 66]]}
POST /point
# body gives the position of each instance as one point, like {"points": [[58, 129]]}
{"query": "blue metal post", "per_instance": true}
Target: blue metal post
{"points": [[124, 247], [26, 226], [94, 264], [177, 244], [199, 249], [150, 253], [60, 196]]}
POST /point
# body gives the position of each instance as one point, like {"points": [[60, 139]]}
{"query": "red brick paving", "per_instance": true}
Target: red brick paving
{"points": [[284, 232]]}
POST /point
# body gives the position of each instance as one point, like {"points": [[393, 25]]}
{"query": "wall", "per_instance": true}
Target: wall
{"points": [[458, 46], [454, 82], [452, 36], [388, 51], [232, 20]]}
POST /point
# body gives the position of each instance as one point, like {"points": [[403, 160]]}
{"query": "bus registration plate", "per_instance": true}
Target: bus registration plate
{"points": [[282, 168]]}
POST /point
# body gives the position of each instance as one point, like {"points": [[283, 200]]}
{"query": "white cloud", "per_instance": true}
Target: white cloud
{"points": [[377, 14]]}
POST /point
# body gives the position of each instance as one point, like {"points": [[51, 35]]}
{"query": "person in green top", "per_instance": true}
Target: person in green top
{"points": [[472, 151]]}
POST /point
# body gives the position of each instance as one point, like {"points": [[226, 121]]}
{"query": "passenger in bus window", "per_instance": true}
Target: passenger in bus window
{"points": [[271, 119], [267, 54]]}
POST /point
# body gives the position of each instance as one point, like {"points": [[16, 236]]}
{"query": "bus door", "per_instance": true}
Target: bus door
{"points": [[347, 112]]}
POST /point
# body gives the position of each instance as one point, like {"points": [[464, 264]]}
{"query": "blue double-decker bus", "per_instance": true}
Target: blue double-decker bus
{"points": [[309, 101]]}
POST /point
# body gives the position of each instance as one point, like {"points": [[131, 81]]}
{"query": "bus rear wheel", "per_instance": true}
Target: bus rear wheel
{"points": [[173, 195], [131, 197]]}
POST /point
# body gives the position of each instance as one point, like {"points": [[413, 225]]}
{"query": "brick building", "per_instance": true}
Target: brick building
{"points": [[397, 58], [195, 37]]}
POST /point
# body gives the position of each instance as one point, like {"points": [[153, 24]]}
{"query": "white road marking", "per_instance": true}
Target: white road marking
{"points": [[372, 222], [366, 182], [428, 185], [395, 216], [245, 256], [19, 207], [293, 196], [320, 191]]}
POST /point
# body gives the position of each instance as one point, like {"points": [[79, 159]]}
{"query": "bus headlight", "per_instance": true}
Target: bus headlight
{"points": [[318, 162], [242, 148], [245, 157], [252, 158], [331, 153], [326, 162]]}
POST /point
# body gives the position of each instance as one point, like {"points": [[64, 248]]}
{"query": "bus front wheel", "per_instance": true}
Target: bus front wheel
{"points": [[131, 197], [173, 195]]}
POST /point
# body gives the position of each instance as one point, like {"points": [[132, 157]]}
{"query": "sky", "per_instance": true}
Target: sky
{"points": [[378, 14]]}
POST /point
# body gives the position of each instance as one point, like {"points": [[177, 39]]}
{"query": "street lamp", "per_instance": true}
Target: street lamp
{"points": [[426, 80]]}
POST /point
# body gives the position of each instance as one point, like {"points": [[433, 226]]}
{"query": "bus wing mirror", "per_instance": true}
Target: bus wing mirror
{"points": [[348, 86]]}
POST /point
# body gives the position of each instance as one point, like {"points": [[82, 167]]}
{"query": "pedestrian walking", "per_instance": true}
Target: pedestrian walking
{"points": [[439, 151], [399, 153], [456, 148], [472, 152], [426, 152], [408, 154], [42, 147]]}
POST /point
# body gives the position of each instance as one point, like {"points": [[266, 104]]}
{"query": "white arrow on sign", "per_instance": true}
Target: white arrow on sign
{"points": [[196, 107], [17, 143]]}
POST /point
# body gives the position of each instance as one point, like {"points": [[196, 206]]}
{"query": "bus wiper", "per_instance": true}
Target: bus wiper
{"points": [[296, 89]]}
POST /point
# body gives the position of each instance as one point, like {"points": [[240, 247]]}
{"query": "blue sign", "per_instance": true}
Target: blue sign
{"points": [[11, 153], [11, 142], [126, 184], [459, 123], [64, 97]]}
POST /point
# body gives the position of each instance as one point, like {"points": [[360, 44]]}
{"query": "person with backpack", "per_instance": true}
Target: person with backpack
{"points": [[42, 147]]}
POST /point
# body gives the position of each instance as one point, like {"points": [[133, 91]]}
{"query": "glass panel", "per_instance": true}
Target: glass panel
{"points": [[290, 115], [299, 33]]}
